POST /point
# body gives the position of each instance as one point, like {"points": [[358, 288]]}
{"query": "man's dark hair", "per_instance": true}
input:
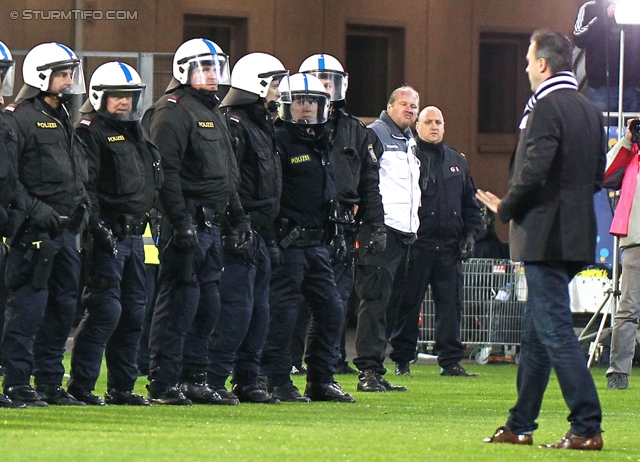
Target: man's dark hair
{"points": [[555, 47]]}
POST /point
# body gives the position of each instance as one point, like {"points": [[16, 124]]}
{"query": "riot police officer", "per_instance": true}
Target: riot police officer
{"points": [[200, 180], [244, 286], [124, 174], [308, 190], [8, 182], [43, 264], [357, 178]]}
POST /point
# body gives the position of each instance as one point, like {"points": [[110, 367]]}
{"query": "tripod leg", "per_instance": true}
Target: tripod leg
{"points": [[583, 335], [596, 340]]}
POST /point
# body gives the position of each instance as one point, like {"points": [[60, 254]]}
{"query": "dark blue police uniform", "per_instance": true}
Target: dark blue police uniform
{"points": [[200, 180], [238, 340], [124, 174], [307, 191], [43, 265]]}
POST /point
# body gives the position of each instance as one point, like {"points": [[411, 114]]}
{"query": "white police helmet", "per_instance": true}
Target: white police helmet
{"points": [[329, 70], [116, 80], [196, 56], [44, 59], [7, 70], [255, 72], [257, 75], [308, 103]]}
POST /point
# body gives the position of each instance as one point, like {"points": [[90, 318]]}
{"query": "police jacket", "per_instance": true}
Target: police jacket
{"points": [[399, 175], [124, 169], [254, 140], [52, 163], [8, 161], [599, 35], [449, 210], [308, 184], [197, 156], [357, 167]]}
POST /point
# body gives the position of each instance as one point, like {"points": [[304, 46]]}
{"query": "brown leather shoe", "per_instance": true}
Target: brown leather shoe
{"points": [[571, 441], [504, 435]]}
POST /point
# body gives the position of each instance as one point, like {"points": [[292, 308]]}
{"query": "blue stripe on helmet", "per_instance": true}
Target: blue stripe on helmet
{"points": [[127, 74], [306, 82], [211, 46], [67, 49], [5, 56], [321, 62]]}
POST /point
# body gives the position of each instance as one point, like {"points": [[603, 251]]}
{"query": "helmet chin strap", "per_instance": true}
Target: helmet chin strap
{"points": [[63, 98], [272, 106]]}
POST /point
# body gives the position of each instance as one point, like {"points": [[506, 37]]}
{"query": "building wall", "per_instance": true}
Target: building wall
{"points": [[441, 49]]}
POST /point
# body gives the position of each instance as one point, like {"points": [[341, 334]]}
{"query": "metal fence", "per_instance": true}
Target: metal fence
{"points": [[495, 292]]}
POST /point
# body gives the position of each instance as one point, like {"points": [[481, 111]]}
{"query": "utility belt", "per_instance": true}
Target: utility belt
{"points": [[259, 228], [71, 221], [74, 220], [342, 214], [297, 236], [39, 250], [126, 225], [205, 216]]}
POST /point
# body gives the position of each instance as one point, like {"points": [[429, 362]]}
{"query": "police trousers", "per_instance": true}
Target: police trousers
{"points": [[307, 273], [241, 330], [114, 303], [186, 308], [42, 279]]}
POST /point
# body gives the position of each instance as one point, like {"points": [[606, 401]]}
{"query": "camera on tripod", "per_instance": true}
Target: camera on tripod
{"points": [[634, 128]]}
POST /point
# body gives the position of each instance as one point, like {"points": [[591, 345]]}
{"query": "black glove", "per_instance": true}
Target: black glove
{"points": [[377, 240], [103, 239], [242, 225], [184, 234], [44, 216], [15, 220], [467, 247], [243, 231], [275, 254], [338, 249]]}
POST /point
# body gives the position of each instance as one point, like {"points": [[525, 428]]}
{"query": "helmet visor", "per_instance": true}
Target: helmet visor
{"points": [[122, 103], [334, 82], [7, 70], [66, 78], [209, 71], [305, 109]]}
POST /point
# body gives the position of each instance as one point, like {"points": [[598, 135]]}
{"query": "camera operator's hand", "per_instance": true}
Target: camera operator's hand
{"points": [[628, 133]]}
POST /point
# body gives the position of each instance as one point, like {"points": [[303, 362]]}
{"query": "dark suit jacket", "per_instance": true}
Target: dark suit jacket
{"points": [[557, 167]]}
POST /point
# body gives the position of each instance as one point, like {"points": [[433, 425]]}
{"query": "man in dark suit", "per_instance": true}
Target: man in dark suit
{"points": [[557, 167]]}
